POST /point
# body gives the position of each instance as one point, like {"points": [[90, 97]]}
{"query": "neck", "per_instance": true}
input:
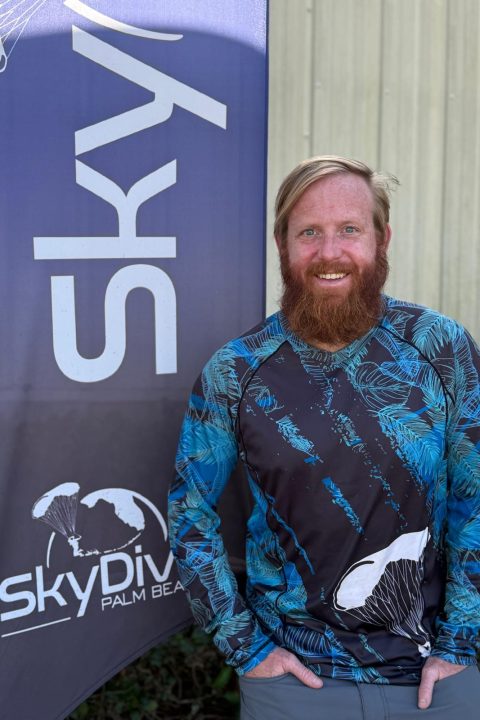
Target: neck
{"points": [[329, 347]]}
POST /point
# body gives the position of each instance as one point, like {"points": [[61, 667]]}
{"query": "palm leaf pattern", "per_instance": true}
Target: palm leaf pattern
{"points": [[432, 332], [378, 388], [419, 446], [416, 377]]}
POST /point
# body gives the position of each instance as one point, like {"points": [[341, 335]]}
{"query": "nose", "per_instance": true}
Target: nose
{"points": [[329, 247]]}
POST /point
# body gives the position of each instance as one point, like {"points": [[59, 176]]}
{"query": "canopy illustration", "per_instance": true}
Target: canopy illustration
{"points": [[384, 588]]}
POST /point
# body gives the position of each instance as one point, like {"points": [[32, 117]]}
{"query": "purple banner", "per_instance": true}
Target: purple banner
{"points": [[132, 146]]}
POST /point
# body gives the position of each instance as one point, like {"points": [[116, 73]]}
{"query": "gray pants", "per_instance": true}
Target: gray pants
{"points": [[286, 698]]}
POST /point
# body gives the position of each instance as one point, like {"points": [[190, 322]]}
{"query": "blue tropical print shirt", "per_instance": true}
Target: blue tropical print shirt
{"points": [[363, 546]]}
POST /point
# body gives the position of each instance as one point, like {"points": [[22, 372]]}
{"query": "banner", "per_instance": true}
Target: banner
{"points": [[132, 204]]}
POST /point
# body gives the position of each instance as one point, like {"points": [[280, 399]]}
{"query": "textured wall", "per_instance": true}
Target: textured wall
{"points": [[395, 83]]}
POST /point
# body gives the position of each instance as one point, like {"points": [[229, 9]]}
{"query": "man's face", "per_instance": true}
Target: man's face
{"points": [[333, 262]]}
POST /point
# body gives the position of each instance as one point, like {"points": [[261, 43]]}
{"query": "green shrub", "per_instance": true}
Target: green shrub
{"points": [[182, 679]]}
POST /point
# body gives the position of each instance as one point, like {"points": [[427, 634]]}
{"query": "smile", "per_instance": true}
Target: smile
{"points": [[331, 276]]}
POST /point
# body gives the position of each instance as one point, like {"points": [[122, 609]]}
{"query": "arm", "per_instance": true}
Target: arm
{"points": [[206, 456], [458, 628]]}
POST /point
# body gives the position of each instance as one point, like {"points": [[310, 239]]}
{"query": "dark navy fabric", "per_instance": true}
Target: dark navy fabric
{"points": [[364, 465]]}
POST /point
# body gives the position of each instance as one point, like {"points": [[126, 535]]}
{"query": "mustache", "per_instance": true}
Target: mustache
{"points": [[323, 268]]}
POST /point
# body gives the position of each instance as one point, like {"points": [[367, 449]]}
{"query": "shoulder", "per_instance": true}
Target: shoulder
{"points": [[440, 340], [232, 364], [431, 332], [253, 346]]}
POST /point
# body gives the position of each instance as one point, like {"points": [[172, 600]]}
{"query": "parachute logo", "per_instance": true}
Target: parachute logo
{"points": [[14, 17], [59, 506], [384, 589]]}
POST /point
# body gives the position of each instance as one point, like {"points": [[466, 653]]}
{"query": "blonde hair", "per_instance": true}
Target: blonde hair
{"points": [[315, 168]]}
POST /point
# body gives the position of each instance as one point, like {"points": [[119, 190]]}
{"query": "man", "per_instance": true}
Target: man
{"points": [[357, 420]]}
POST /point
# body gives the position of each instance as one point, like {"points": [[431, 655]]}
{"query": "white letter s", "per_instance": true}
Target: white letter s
{"points": [[81, 369]]}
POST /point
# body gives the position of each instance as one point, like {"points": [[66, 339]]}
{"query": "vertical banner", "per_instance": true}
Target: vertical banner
{"points": [[132, 159]]}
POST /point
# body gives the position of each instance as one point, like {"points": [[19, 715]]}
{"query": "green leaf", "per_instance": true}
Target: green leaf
{"points": [[223, 678]]}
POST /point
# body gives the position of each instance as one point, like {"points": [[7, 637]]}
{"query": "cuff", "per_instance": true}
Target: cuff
{"points": [[256, 659], [457, 644]]}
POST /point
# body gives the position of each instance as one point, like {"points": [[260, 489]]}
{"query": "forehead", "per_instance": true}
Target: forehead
{"points": [[343, 196]]}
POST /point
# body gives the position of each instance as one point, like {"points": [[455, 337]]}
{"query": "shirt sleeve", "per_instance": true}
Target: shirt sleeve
{"points": [[207, 454], [459, 626]]}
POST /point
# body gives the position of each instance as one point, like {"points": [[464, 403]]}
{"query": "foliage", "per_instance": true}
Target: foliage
{"points": [[182, 679]]}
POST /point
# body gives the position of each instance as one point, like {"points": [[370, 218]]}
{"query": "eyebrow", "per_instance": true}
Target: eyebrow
{"points": [[317, 223]]}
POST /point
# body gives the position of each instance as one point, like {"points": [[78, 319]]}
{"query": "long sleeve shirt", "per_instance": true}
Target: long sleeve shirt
{"points": [[363, 546]]}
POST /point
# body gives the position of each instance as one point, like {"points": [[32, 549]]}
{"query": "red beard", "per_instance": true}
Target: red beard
{"points": [[327, 318]]}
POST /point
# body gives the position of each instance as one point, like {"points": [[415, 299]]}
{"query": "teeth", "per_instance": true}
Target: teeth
{"points": [[331, 276]]}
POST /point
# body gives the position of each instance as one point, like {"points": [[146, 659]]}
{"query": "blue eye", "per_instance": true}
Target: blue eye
{"points": [[309, 232], [350, 229]]}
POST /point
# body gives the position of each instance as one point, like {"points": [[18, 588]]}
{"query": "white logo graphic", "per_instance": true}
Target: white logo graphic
{"points": [[107, 526], [384, 589], [14, 17], [58, 508]]}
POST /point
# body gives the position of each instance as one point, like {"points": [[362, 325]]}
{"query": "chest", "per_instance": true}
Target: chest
{"points": [[334, 445]]}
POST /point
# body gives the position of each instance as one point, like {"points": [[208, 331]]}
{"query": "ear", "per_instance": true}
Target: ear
{"points": [[387, 237]]}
